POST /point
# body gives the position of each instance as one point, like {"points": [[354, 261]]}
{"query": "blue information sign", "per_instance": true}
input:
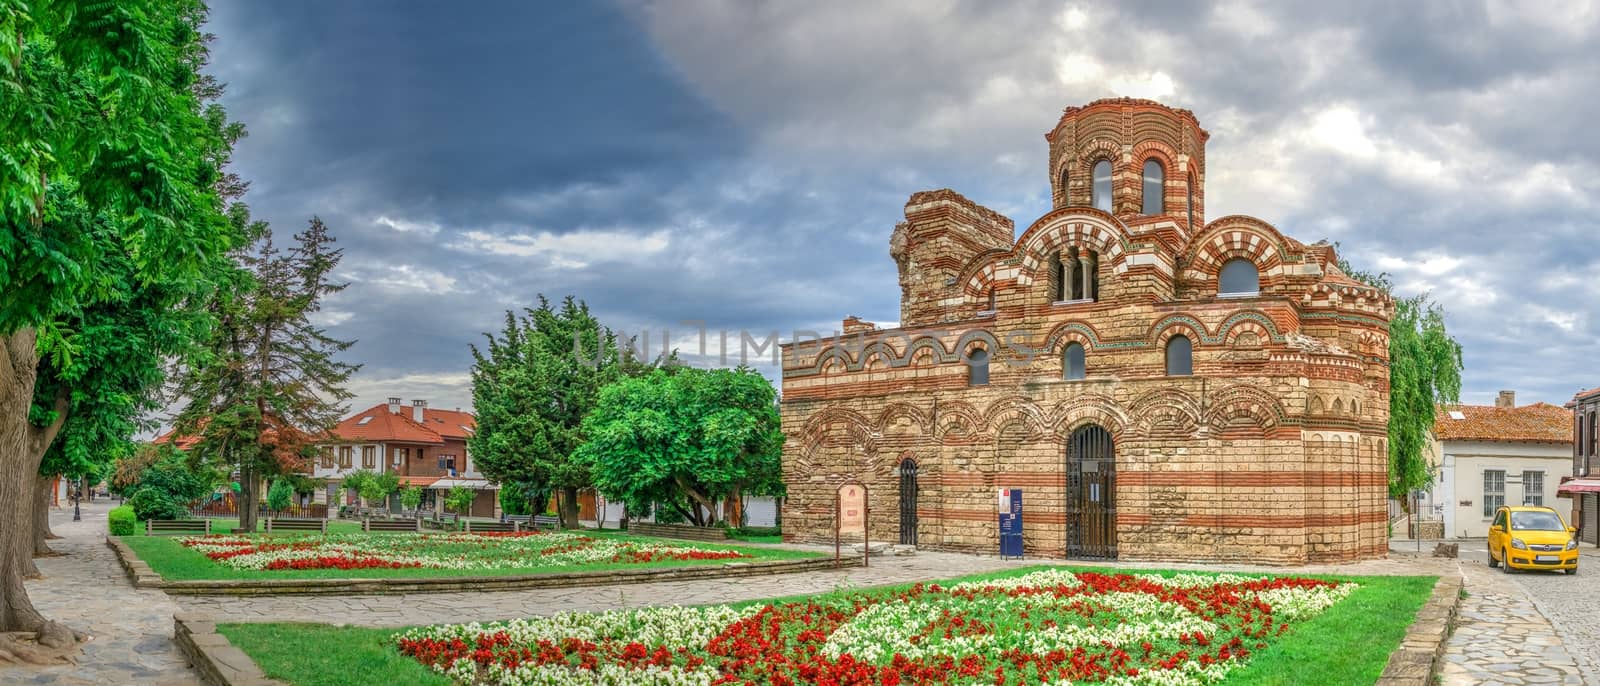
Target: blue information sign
{"points": [[1010, 522]]}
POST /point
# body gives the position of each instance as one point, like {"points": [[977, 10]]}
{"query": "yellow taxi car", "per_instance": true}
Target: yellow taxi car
{"points": [[1530, 537]]}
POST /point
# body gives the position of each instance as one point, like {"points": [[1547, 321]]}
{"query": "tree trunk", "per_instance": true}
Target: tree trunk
{"points": [[19, 466], [41, 517], [697, 501], [247, 497], [569, 507]]}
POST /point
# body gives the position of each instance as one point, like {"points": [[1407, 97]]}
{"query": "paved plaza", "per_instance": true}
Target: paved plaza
{"points": [[1503, 635]]}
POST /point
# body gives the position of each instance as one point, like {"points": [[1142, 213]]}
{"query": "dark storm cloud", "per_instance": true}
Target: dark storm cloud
{"points": [[743, 163]]}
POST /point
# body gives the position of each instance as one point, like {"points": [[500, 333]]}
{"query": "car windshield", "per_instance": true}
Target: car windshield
{"points": [[1536, 521]]}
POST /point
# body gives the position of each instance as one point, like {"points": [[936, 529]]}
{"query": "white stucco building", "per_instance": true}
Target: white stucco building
{"points": [[1486, 457]]}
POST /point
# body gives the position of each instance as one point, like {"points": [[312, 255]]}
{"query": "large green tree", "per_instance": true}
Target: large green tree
{"points": [[114, 206], [531, 387], [685, 439], [1424, 373], [268, 384]]}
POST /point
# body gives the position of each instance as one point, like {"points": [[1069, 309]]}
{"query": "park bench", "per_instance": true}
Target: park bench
{"points": [[524, 520], [391, 525], [546, 522], [473, 526], [296, 524], [174, 527]]}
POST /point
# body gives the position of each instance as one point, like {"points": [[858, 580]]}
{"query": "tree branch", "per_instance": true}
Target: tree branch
{"points": [[43, 436]]}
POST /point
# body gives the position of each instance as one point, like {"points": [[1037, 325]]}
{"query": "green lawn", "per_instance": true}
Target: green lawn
{"points": [[175, 562], [1348, 643]]}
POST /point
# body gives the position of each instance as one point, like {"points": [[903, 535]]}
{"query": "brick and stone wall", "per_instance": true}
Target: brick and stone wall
{"points": [[1274, 450]]}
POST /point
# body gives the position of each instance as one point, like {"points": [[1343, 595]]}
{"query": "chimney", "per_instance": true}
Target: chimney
{"points": [[1507, 400], [417, 406], [394, 405]]}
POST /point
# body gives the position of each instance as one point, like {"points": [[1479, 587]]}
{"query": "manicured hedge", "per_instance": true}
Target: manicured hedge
{"points": [[748, 531], [122, 521]]}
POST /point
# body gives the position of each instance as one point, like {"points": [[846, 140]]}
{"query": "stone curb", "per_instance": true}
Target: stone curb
{"points": [[218, 662], [143, 576], [1415, 662]]}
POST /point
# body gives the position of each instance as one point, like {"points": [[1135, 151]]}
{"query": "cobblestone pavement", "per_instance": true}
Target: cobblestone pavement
{"points": [[1502, 638], [86, 590]]}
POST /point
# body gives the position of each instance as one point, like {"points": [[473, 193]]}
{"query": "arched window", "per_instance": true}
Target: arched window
{"points": [[988, 302], [1154, 186], [1190, 202], [1180, 356], [1066, 198], [978, 367], [1100, 195], [1059, 286], [1239, 277], [1072, 362]]}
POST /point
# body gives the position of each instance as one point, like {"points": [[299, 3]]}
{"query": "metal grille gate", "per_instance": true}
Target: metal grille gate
{"points": [[908, 502], [1091, 494]]}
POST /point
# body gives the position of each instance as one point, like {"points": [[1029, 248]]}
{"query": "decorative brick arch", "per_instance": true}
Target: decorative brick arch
{"points": [[1090, 408], [1179, 323], [1053, 234], [1081, 162], [959, 419], [973, 338], [1252, 321], [1230, 238], [978, 276], [1170, 406], [897, 410], [1071, 332], [1260, 407], [1017, 410], [1168, 157]]}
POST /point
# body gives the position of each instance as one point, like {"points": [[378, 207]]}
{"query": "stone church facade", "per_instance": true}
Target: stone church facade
{"points": [[1159, 386]]}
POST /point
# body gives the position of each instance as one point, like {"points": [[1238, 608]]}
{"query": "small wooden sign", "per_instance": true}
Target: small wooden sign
{"points": [[850, 508]]}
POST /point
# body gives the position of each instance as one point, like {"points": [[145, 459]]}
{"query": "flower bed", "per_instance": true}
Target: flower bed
{"points": [[1049, 626], [462, 551]]}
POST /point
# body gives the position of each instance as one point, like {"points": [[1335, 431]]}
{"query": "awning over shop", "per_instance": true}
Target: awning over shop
{"points": [[419, 481], [474, 484], [1579, 486]]}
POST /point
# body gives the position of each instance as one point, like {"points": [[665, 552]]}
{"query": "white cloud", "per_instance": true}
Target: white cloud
{"points": [[407, 226], [574, 250], [331, 317], [401, 277]]}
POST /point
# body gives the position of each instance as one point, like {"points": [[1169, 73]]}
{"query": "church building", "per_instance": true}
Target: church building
{"points": [[1157, 385]]}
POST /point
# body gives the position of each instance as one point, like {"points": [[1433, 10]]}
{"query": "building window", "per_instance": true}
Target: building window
{"points": [[1077, 275], [1533, 488], [1058, 283], [1180, 356], [346, 455], [1594, 440], [447, 464], [1239, 277], [369, 456], [1154, 187], [978, 367], [327, 458], [989, 301], [1072, 362], [1100, 194], [1494, 491], [1189, 203], [1066, 190]]}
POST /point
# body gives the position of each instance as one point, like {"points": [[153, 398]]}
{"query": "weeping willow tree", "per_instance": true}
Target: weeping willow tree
{"points": [[1424, 373]]}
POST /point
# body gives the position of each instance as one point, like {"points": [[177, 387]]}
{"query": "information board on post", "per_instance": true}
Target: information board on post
{"points": [[851, 517], [1010, 510]]}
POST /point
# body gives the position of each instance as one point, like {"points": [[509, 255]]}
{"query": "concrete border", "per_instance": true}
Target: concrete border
{"points": [[142, 576], [218, 662], [1417, 659]]}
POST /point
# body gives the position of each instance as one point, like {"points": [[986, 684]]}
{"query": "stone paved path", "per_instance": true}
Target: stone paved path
{"points": [[86, 590], [1501, 638]]}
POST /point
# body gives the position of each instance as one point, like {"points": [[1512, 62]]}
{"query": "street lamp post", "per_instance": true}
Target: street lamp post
{"points": [[77, 495]]}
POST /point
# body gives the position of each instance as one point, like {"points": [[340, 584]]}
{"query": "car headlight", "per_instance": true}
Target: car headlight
{"points": [[1518, 544], [1572, 544]]}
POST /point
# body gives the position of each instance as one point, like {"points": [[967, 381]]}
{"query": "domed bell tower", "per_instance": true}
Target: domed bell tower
{"points": [[1139, 160]]}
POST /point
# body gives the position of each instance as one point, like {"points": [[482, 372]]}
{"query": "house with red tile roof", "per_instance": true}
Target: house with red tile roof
{"points": [[1488, 456], [423, 446], [1583, 417]]}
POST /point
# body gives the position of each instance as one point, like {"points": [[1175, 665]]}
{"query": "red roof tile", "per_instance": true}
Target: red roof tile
{"points": [[377, 423], [1536, 423], [1585, 394]]}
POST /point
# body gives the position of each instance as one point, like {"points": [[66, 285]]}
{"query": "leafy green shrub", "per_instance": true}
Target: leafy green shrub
{"points": [[755, 531], [150, 502], [410, 497], [279, 495], [167, 486], [122, 520], [460, 499]]}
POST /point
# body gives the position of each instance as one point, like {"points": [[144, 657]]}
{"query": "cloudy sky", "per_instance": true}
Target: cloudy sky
{"points": [[743, 163]]}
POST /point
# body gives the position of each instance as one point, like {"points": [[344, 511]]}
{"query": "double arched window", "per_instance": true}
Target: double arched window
{"points": [[1239, 276], [1073, 362], [978, 367], [1077, 275], [1180, 356], [1154, 187], [1100, 192]]}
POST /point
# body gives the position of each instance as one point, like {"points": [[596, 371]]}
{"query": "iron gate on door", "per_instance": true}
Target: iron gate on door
{"points": [[1091, 494], [908, 502]]}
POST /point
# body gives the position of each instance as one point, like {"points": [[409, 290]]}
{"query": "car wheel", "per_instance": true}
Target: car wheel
{"points": [[1492, 562], [1572, 572], [1505, 559]]}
